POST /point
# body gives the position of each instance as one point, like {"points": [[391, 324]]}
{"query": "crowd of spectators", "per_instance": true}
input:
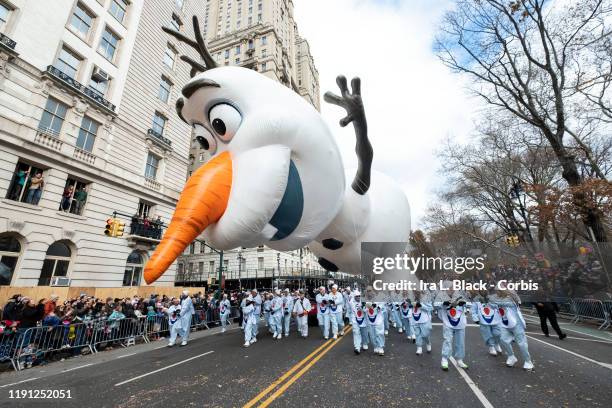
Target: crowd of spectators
{"points": [[146, 227], [74, 320]]}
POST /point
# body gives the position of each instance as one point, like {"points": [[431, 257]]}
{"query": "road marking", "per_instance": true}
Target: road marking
{"points": [[287, 374], [76, 368], [536, 321], [574, 338], [606, 365], [126, 355], [481, 397], [163, 368], [19, 382], [293, 379]]}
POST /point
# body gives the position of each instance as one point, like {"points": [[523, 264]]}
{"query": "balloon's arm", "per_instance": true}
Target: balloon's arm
{"points": [[355, 113]]}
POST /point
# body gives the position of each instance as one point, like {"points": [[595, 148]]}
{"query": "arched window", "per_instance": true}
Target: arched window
{"points": [[133, 269], [10, 250], [57, 262]]}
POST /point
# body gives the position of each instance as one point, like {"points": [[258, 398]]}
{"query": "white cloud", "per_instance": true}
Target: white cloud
{"points": [[412, 101]]}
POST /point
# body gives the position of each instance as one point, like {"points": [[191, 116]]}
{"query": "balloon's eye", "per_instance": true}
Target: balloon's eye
{"points": [[225, 120], [205, 139]]}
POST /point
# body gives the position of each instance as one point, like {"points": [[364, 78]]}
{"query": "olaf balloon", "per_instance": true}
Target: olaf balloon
{"points": [[276, 176]]}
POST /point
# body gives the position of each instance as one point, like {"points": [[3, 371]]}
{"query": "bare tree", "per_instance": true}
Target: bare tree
{"points": [[523, 56]]}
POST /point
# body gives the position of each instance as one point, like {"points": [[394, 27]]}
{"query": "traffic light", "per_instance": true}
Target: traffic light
{"points": [[513, 240], [119, 227], [109, 230]]}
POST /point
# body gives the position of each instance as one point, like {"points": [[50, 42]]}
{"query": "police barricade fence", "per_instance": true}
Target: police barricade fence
{"points": [[124, 331], [591, 309]]}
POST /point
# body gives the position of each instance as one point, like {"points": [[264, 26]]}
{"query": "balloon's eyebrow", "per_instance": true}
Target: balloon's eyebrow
{"points": [[193, 86]]}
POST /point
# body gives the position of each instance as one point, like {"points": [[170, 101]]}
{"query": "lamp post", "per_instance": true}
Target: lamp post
{"points": [[240, 258], [278, 266]]}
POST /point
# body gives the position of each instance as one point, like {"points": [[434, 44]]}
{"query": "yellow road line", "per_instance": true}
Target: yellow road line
{"points": [[287, 374], [293, 379]]}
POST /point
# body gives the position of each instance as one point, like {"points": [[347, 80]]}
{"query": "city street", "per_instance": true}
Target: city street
{"points": [[215, 370]]}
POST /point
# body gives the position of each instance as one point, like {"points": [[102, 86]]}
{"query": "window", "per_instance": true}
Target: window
{"points": [[250, 20], [192, 248], [99, 81], [264, 66], [21, 183], [81, 20], [237, 50], [259, 17], [87, 134], [53, 117], [164, 89], [264, 40], [159, 123], [202, 247], [179, 272], [201, 157], [144, 209], [4, 15], [152, 166], [133, 269], [200, 269], [264, 52], [237, 61], [108, 44], [57, 262], [227, 53], [260, 263], [251, 44], [10, 251], [74, 197], [169, 56], [117, 9], [211, 267], [68, 62], [176, 22]]}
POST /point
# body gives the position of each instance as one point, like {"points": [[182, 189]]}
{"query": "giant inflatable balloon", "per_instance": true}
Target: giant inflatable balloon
{"points": [[276, 176]]}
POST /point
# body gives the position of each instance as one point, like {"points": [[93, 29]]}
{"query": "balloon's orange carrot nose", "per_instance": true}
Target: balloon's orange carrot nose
{"points": [[202, 202]]}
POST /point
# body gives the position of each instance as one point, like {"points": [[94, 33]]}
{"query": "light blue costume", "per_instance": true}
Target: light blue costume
{"points": [[420, 324], [256, 311], [359, 323], [266, 312], [405, 309], [276, 318], [453, 329], [336, 306], [287, 309], [323, 313], [348, 311], [175, 322], [488, 319], [512, 329], [249, 320], [187, 311], [225, 308], [376, 325]]}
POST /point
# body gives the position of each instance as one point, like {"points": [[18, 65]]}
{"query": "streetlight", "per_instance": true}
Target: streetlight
{"points": [[240, 258], [278, 266]]}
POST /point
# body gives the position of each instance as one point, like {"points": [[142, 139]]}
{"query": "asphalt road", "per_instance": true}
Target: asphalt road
{"points": [[214, 370]]}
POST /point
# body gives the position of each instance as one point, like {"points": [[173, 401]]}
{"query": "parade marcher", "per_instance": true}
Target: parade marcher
{"points": [[276, 318], [287, 310], [359, 323], [174, 320], [420, 322], [256, 311], [405, 310], [301, 307], [266, 311], [187, 311], [487, 317], [348, 311], [376, 326], [336, 305], [225, 308], [396, 299], [323, 312], [248, 313], [452, 313], [512, 327]]}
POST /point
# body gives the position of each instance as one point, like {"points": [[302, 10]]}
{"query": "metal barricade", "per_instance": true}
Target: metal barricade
{"points": [[566, 306], [607, 304], [157, 327], [590, 309], [37, 342], [9, 345], [124, 331]]}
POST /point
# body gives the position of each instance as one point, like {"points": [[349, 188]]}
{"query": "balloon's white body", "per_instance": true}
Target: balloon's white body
{"points": [[279, 130]]}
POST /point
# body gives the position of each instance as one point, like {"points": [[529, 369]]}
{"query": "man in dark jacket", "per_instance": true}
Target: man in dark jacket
{"points": [[547, 309], [29, 315]]}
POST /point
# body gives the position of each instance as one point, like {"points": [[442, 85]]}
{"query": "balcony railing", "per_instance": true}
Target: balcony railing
{"points": [[152, 184], [79, 87], [157, 138], [6, 41], [84, 155], [48, 137]]}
